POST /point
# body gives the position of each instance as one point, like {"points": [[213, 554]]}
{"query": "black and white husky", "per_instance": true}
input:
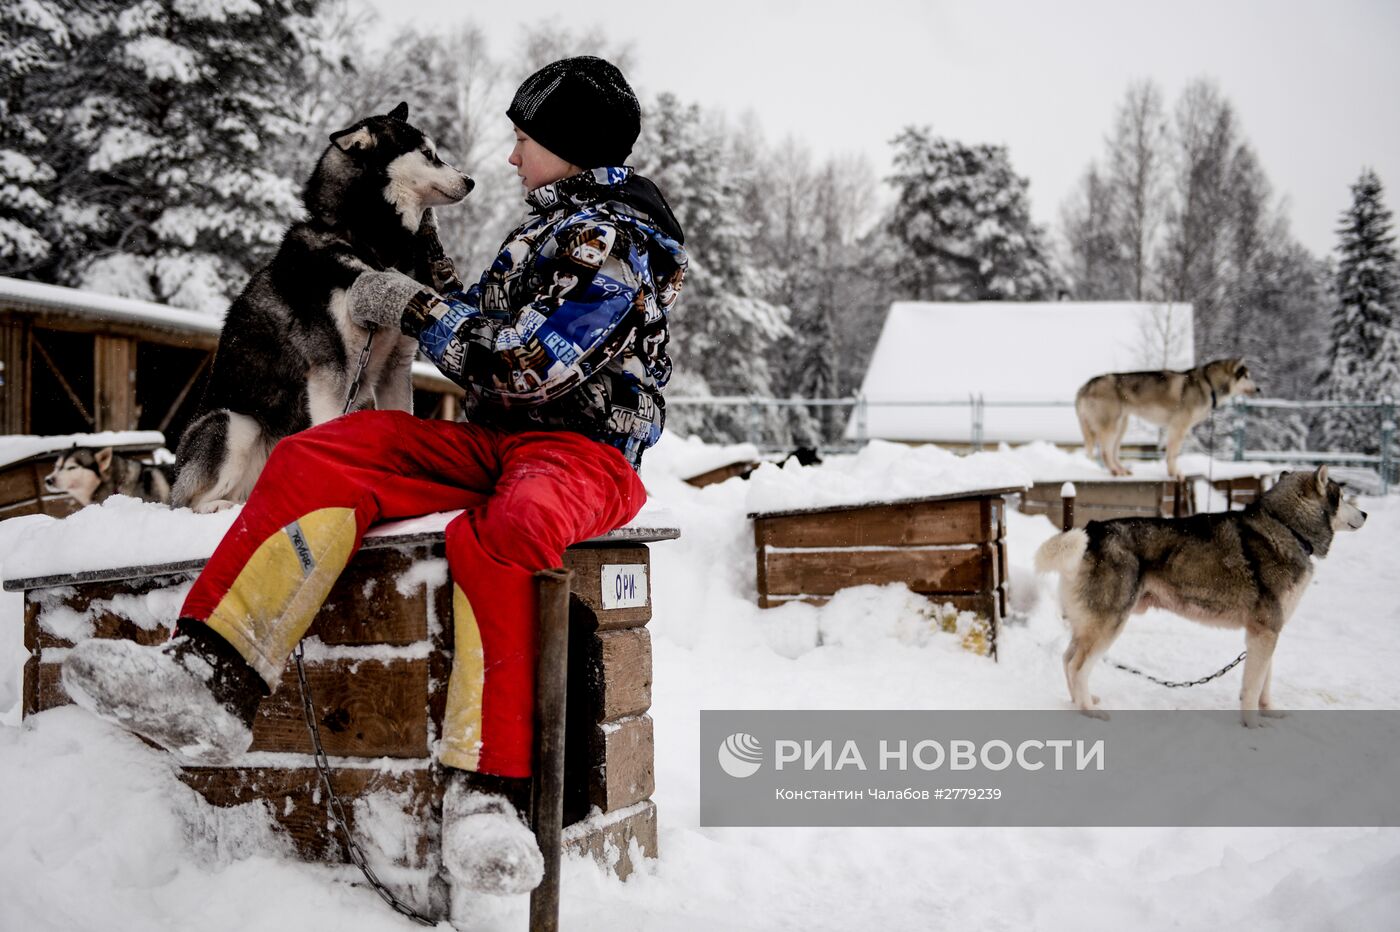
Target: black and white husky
{"points": [[289, 351], [90, 475]]}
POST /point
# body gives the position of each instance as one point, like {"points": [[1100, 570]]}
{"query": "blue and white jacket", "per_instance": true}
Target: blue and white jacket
{"points": [[567, 329]]}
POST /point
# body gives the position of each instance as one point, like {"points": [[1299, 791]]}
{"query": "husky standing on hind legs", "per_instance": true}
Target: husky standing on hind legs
{"points": [[289, 349], [1177, 401], [1236, 569]]}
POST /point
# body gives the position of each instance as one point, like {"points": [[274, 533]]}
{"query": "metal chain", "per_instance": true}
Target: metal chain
{"points": [[323, 766], [1205, 679], [359, 370], [337, 811]]}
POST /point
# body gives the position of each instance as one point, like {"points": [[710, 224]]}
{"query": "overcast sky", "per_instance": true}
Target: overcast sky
{"points": [[1316, 85]]}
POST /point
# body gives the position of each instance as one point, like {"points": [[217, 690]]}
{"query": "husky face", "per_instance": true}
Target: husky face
{"points": [[403, 162], [1230, 377], [1313, 505], [1343, 515], [79, 472]]}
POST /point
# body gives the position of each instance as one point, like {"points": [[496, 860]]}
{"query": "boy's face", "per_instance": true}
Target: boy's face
{"points": [[535, 165]]}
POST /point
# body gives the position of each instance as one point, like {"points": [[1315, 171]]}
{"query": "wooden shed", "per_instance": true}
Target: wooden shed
{"points": [[75, 361]]}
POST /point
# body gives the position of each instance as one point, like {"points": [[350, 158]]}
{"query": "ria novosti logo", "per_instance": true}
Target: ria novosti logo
{"points": [[740, 755]]}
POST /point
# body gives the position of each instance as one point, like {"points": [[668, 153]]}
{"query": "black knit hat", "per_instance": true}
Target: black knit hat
{"points": [[581, 109]]}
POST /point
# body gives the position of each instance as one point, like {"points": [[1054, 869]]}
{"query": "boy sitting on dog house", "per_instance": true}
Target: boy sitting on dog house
{"points": [[561, 346]]}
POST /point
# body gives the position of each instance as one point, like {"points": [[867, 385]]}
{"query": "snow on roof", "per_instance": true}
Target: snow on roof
{"points": [[685, 457], [16, 447], [880, 472], [1046, 462], [17, 293], [1011, 351]]}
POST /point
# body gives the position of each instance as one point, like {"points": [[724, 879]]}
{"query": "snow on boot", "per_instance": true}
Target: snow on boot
{"points": [[486, 846], [193, 695]]}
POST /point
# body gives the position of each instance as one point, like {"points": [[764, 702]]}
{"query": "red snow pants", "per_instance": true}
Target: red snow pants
{"points": [[527, 496]]}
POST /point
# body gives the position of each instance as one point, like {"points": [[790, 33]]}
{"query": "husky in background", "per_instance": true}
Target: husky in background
{"points": [[1237, 569], [289, 352], [89, 475], [1175, 400]]}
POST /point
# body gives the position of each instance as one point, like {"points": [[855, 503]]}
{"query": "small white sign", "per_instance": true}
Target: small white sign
{"points": [[624, 585]]}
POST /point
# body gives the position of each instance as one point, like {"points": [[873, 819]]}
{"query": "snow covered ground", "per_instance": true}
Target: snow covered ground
{"points": [[97, 833]]}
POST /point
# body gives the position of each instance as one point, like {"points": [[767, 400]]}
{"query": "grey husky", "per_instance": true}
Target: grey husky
{"points": [[90, 475], [289, 352], [1238, 569], [1176, 400]]}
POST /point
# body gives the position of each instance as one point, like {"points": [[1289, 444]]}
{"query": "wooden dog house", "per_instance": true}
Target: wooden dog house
{"points": [[378, 657], [1112, 497], [950, 548]]}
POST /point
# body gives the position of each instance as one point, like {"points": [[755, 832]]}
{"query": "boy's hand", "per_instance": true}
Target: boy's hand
{"points": [[376, 300], [433, 263]]}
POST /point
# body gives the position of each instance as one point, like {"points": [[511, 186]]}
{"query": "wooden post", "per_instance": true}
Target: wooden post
{"points": [[114, 382], [14, 374], [547, 787], [1067, 496], [1177, 493]]}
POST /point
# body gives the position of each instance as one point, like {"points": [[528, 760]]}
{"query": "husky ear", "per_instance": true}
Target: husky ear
{"points": [[104, 460], [400, 112], [356, 138], [1322, 480]]}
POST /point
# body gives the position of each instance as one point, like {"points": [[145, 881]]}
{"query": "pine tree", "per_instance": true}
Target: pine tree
{"points": [[34, 41], [170, 116], [1364, 354], [724, 324], [965, 216]]}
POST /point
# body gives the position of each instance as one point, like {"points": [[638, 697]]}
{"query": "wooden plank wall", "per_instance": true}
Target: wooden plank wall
{"points": [[114, 382], [1102, 500], [374, 703], [951, 551]]}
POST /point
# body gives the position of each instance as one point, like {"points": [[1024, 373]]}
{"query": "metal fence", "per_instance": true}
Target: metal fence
{"points": [[760, 421]]}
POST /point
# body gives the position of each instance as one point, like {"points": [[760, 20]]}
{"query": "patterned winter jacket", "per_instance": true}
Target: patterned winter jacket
{"points": [[567, 329]]}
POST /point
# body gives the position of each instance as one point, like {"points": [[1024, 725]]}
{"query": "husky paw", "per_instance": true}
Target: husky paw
{"points": [[214, 507], [1251, 718], [1099, 714], [1272, 713]]}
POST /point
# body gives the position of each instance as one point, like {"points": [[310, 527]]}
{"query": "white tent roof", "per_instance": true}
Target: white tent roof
{"points": [[1011, 352]]}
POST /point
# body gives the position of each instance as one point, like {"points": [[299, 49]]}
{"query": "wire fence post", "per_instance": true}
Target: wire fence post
{"points": [[976, 411], [1387, 443], [1238, 404], [861, 426]]}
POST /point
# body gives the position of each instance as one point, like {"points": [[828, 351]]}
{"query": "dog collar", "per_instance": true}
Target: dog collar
{"points": [[1307, 544]]}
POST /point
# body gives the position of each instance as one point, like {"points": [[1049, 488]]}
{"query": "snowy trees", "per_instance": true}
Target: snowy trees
{"points": [[1184, 214], [1364, 350], [155, 120], [1111, 224], [725, 324], [34, 37], [964, 216]]}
